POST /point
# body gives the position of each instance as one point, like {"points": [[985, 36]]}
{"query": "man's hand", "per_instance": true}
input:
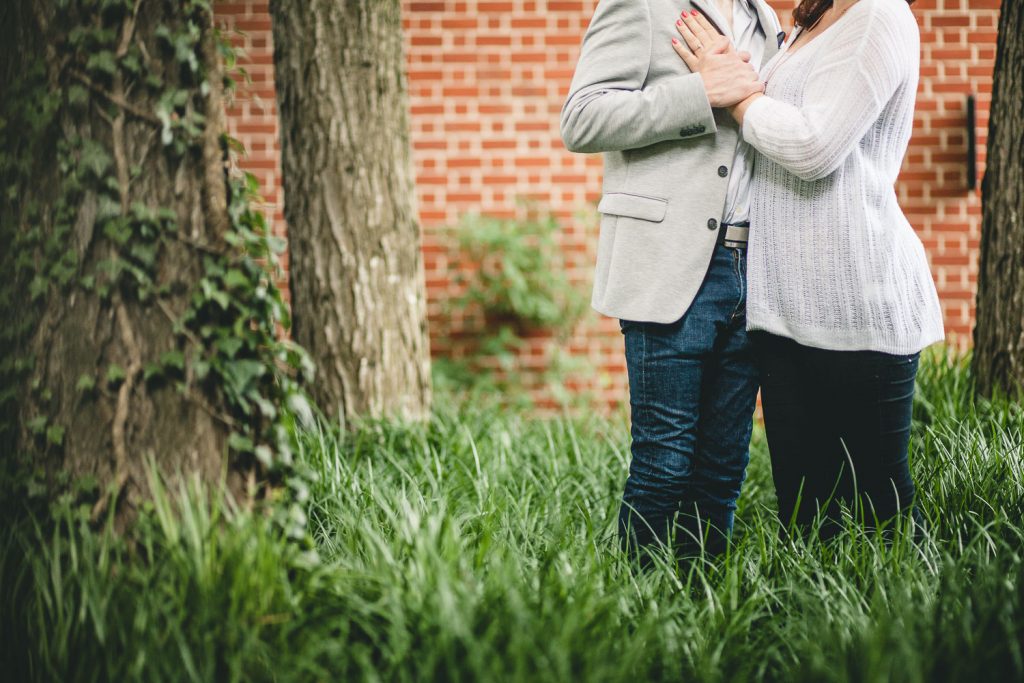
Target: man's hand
{"points": [[728, 77]]}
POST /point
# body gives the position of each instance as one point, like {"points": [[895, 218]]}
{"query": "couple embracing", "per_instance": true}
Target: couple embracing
{"points": [[751, 237]]}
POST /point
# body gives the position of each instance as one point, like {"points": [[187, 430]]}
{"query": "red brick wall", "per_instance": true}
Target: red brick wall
{"points": [[958, 39], [487, 80], [252, 114]]}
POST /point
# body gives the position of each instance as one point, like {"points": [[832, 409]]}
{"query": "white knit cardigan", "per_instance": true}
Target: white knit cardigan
{"points": [[833, 262]]}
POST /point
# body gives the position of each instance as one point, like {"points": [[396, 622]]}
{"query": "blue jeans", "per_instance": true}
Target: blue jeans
{"points": [[838, 428], [693, 388]]}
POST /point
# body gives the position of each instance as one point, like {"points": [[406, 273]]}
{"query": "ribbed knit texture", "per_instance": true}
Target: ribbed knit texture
{"points": [[833, 262]]}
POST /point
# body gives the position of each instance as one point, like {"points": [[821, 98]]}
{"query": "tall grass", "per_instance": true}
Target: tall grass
{"points": [[482, 547]]}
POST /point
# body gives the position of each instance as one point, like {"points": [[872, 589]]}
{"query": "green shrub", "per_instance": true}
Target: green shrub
{"points": [[514, 285]]}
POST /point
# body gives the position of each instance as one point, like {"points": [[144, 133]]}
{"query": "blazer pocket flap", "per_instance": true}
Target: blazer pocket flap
{"points": [[634, 206]]}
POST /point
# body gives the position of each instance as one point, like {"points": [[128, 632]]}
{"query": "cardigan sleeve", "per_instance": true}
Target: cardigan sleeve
{"points": [[608, 108], [845, 93]]}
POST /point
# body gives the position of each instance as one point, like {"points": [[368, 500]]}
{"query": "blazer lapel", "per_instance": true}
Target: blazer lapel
{"points": [[772, 31]]}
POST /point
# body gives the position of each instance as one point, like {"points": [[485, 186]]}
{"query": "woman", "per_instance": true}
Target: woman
{"points": [[841, 301]]}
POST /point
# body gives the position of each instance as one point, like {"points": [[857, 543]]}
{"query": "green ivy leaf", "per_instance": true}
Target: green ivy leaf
{"points": [[55, 435], [115, 374], [264, 455], [267, 408], [235, 278], [144, 253], [241, 373], [37, 425], [234, 144], [163, 113], [77, 95], [108, 208], [87, 484], [277, 244], [103, 62], [221, 298], [38, 287], [301, 408], [94, 158], [85, 382], [230, 346], [240, 442], [131, 63], [173, 359], [151, 370], [78, 35], [163, 32], [201, 369]]}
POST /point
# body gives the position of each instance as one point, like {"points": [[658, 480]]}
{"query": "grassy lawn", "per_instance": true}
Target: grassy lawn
{"points": [[482, 547]]}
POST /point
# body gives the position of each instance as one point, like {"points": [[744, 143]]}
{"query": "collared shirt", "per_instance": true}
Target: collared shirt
{"points": [[747, 36]]}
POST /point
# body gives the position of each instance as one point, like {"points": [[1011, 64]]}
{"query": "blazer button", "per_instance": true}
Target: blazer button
{"points": [[712, 224], [722, 171], [684, 132]]}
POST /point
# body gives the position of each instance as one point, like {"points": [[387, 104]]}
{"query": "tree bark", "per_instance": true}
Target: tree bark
{"points": [[87, 400], [998, 362], [357, 282]]}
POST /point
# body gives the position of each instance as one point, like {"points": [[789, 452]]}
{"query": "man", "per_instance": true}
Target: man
{"points": [[671, 253]]}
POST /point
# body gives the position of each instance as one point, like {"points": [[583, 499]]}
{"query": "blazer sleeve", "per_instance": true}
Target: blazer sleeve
{"points": [[608, 107], [844, 95]]}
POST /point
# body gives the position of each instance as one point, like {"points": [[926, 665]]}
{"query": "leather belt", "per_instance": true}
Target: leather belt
{"points": [[734, 236]]}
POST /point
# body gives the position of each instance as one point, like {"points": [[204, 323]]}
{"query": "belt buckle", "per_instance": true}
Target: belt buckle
{"points": [[740, 235]]}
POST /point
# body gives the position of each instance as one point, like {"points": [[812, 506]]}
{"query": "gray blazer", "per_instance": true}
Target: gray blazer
{"points": [[667, 155]]}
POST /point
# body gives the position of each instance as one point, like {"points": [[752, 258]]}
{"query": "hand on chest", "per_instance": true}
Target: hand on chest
{"points": [[740, 21]]}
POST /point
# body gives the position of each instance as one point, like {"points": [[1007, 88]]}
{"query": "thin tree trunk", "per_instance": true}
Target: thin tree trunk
{"points": [[998, 362], [91, 340], [357, 283]]}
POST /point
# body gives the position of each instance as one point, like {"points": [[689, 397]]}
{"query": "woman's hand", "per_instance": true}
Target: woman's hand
{"points": [[728, 77]]}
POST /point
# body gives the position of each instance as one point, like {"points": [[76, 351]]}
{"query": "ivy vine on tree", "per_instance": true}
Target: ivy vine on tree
{"points": [[139, 282]]}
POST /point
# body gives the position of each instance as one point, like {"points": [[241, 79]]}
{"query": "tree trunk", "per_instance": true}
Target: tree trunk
{"points": [[357, 283], [115, 207], [998, 362]]}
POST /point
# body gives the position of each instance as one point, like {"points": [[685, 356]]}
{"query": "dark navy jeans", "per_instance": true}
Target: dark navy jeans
{"points": [[838, 428], [693, 387]]}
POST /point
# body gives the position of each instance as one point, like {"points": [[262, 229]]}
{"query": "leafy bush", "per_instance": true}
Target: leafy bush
{"points": [[519, 276], [513, 279]]}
